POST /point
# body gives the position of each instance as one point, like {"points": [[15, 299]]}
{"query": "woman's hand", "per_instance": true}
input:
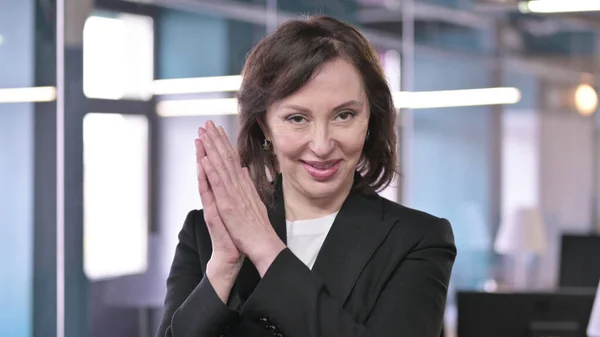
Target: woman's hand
{"points": [[226, 259], [238, 203]]}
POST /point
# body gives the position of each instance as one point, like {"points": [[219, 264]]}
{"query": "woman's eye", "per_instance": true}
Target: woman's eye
{"points": [[345, 115], [296, 119]]}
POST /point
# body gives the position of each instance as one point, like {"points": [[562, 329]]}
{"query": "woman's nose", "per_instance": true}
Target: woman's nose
{"points": [[322, 143]]}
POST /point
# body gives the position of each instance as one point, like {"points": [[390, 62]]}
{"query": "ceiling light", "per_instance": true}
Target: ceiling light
{"points": [[197, 107], [456, 98], [559, 6], [197, 85], [402, 100], [32, 94], [586, 100]]}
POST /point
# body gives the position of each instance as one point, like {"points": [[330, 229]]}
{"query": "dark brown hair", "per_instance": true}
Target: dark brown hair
{"points": [[284, 62]]}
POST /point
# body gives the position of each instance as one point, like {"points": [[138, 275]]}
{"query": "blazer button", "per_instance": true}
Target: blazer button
{"points": [[264, 322], [278, 334], [226, 331]]}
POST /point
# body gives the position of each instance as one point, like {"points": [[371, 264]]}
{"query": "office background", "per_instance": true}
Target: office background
{"points": [[475, 165]]}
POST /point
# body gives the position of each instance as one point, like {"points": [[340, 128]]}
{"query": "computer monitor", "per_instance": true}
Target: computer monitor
{"points": [[579, 266], [503, 314]]}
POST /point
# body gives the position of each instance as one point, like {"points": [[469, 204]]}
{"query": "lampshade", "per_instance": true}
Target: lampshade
{"points": [[522, 233], [594, 325]]}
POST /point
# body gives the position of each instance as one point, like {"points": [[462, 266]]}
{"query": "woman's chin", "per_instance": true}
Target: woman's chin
{"points": [[323, 189]]}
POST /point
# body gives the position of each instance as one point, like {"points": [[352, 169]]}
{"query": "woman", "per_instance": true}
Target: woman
{"points": [[316, 252]]}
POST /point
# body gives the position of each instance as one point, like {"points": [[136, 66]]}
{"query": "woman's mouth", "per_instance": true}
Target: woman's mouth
{"points": [[322, 170]]}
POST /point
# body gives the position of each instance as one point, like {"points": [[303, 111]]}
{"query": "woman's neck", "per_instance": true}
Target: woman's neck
{"points": [[298, 206]]}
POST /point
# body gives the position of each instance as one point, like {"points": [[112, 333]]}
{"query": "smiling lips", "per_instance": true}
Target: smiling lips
{"points": [[322, 170]]}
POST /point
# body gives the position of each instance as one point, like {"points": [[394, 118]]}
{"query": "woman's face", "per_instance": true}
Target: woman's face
{"points": [[318, 133]]}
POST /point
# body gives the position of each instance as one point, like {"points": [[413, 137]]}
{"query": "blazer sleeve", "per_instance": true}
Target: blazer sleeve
{"points": [[295, 302], [192, 307]]}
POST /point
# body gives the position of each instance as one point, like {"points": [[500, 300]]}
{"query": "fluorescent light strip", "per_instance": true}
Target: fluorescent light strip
{"points": [[160, 87], [228, 106], [22, 95], [197, 107], [402, 100], [559, 6], [456, 98], [196, 85]]}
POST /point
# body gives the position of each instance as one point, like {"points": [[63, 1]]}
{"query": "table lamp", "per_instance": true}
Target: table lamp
{"points": [[520, 236], [593, 329]]}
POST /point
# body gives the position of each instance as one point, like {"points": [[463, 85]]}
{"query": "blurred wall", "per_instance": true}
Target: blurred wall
{"points": [[190, 45], [456, 153], [453, 161], [16, 222], [16, 171], [566, 176]]}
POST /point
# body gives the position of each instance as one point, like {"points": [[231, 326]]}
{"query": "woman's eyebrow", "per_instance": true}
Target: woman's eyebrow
{"points": [[347, 104]]}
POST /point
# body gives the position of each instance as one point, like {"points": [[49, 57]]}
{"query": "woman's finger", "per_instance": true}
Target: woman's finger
{"points": [[220, 238], [229, 156], [242, 174], [211, 145], [249, 181], [229, 148], [204, 189], [200, 152], [213, 175], [260, 207], [215, 225]]}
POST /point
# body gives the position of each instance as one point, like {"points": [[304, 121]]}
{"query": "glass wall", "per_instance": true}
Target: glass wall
{"points": [[16, 171]]}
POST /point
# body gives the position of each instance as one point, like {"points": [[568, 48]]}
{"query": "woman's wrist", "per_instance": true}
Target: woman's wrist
{"points": [[222, 277], [265, 253]]}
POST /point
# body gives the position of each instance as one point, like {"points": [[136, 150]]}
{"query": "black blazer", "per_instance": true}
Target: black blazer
{"points": [[383, 270]]}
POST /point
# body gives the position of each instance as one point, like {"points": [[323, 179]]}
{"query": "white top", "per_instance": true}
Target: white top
{"points": [[305, 237]]}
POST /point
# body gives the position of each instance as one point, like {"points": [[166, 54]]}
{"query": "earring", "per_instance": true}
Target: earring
{"points": [[266, 145], [368, 133]]}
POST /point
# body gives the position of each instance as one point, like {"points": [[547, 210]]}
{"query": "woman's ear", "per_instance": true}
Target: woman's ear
{"points": [[264, 128]]}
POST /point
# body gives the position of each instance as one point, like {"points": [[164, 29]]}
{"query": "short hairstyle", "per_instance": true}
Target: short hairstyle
{"points": [[282, 63]]}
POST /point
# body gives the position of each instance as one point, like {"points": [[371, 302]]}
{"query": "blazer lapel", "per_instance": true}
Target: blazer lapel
{"points": [[356, 233]]}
